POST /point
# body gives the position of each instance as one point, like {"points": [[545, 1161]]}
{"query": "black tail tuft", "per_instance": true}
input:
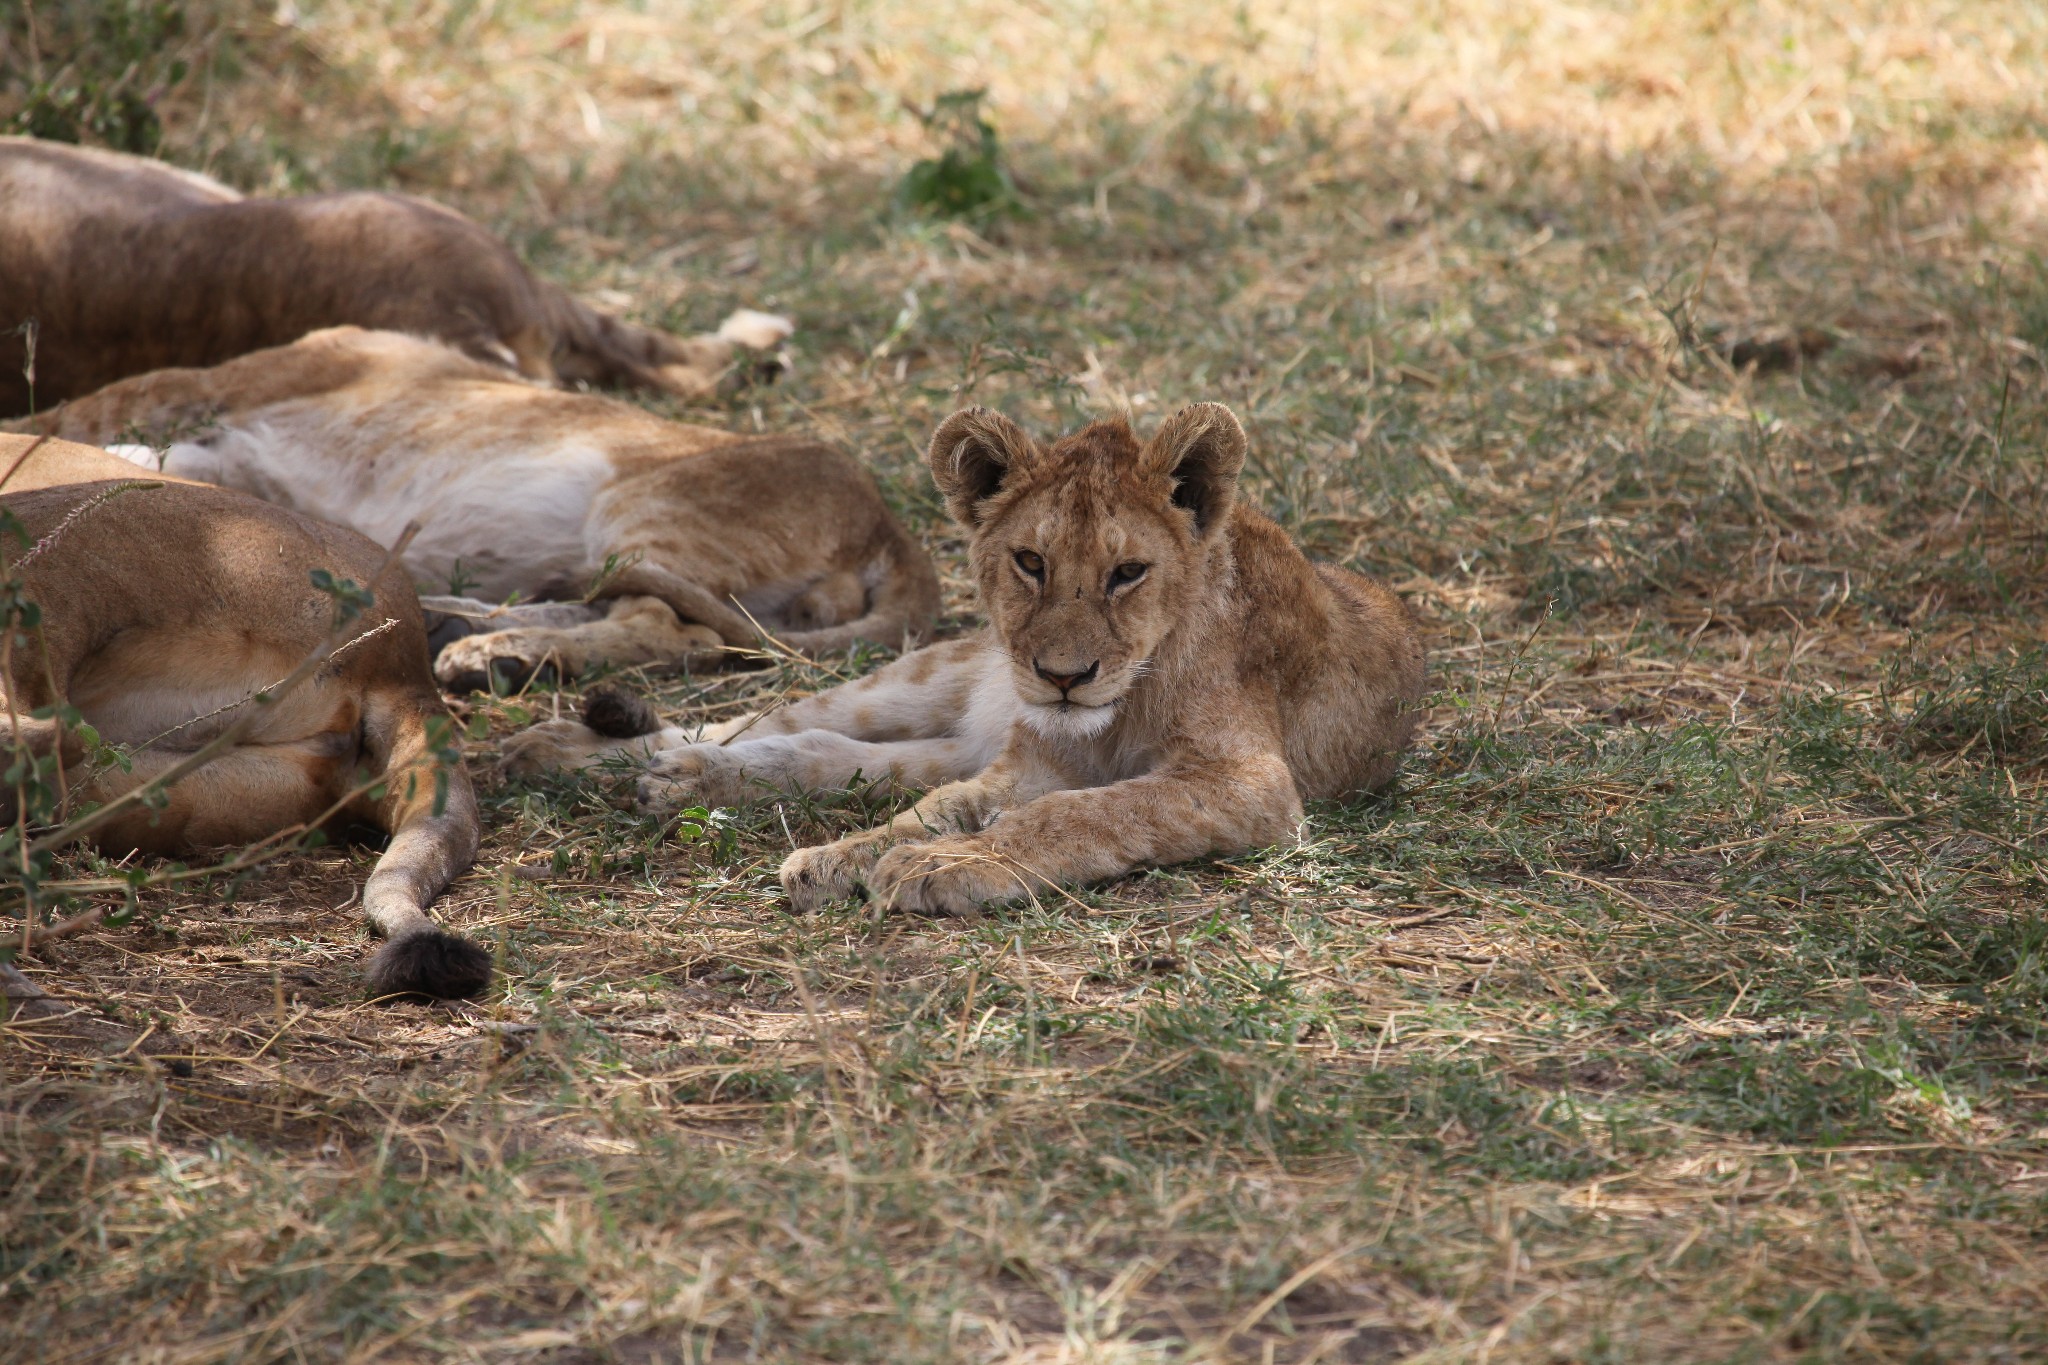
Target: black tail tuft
{"points": [[432, 962], [618, 715]]}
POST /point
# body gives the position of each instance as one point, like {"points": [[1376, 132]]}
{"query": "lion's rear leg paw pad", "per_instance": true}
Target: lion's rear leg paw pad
{"points": [[695, 775], [491, 663], [551, 745]]}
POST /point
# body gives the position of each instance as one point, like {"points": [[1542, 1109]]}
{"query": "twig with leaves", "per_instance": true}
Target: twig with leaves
{"points": [[26, 889]]}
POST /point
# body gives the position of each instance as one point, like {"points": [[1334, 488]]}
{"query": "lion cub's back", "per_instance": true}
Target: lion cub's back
{"points": [[1360, 704]]}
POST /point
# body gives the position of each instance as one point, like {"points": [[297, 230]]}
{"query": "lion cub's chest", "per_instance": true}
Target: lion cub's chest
{"points": [[996, 721], [1121, 752]]}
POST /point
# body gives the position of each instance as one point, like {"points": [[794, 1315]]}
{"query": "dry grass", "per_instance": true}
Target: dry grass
{"points": [[1683, 362]]}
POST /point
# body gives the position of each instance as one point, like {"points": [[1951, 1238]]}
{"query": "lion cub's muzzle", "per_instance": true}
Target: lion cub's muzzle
{"points": [[1067, 678], [1072, 697]]}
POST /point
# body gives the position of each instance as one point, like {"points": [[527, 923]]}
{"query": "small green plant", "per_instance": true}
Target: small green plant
{"points": [[614, 565], [460, 579], [350, 598], [967, 179], [95, 73], [38, 792]]}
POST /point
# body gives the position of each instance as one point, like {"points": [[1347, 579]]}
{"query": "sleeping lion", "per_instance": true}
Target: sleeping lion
{"points": [[168, 612], [1164, 676], [632, 539], [124, 264]]}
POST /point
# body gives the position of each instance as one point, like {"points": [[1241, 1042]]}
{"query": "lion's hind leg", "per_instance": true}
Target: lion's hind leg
{"points": [[632, 630], [926, 694], [930, 718], [747, 765], [749, 770]]}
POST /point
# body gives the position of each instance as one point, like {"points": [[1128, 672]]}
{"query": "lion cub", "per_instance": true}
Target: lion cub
{"points": [[1165, 676]]}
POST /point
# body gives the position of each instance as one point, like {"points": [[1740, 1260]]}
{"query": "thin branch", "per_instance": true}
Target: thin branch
{"points": [[270, 691], [65, 928], [79, 513], [255, 855], [219, 744]]}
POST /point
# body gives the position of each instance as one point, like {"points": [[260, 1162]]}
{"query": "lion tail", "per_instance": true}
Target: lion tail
{"points": [[431, 812], [903, 601]]}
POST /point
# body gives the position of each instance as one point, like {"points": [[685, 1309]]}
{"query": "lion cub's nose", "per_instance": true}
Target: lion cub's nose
{"points": [[1067, 682]]}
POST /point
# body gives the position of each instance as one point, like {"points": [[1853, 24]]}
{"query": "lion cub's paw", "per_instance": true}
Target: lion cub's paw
{"points": [[502, 659], [945, 877], [813, 878], [695, 775]]}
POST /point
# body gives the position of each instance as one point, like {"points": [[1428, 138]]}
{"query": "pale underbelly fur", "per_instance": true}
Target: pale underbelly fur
{"points": [[491, 523]]}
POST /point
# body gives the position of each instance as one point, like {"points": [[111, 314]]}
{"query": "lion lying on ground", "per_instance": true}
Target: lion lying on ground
{"points": [[692, 539], [126, 265], [166, 607], [1164, 677]]}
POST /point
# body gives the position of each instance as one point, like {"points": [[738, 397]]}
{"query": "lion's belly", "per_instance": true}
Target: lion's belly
{"points": [[492, 522], [174, 690]]}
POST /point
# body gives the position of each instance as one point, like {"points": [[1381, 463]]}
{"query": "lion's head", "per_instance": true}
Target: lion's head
{"points": [[1088, 551]]}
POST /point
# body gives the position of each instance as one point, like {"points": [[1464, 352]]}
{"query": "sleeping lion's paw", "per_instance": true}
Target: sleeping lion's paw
{"points": [[813, 878], [553, 745], [502, 659], [955, 876], [695, 775]]}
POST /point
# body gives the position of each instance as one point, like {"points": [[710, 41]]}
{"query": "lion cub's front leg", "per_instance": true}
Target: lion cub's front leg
{"points": [[812, 877], [1198, 806]]}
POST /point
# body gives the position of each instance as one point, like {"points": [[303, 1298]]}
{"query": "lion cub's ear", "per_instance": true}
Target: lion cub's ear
{"points": [[1202, 448], [971, 454]]}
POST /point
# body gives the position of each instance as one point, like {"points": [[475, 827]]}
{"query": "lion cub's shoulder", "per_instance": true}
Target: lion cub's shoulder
{"points": [[1283, 600]]}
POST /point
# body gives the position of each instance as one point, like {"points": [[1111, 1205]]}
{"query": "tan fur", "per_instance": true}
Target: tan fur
{"points": [[127, 265], [905, 726], [712, 537], [1097, 725], [165, 608], [28, 463]]}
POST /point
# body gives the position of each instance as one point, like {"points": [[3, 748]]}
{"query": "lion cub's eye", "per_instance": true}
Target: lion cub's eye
{"points": [[1130, 571], [1031, 564]]}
